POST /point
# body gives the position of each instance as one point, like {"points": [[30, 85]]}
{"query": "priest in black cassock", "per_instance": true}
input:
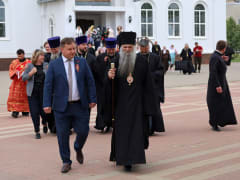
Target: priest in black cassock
{"points": [[82, 51], [103, 63], [219, 101], [157, 71], [54, 43], [133, 103]]}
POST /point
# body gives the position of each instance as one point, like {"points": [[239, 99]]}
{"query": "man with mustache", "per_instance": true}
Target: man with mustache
{"points": [[133, 103]]}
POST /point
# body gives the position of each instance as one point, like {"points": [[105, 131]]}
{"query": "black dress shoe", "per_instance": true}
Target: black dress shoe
{"points": [[37, 136], [25, 113], [216, 128], [80, 157], [128, 168], [65, 168], [45, 129], [15, 114], [151, 132]]}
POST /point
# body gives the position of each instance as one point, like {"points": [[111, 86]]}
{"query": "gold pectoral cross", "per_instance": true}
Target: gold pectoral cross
{"points": [[130, 79]]}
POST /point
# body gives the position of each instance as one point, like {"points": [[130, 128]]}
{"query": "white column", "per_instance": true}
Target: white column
{"points": [[70, 25]]}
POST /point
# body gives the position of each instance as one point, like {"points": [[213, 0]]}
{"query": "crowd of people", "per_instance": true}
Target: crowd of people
{"points": [[64, 83]]}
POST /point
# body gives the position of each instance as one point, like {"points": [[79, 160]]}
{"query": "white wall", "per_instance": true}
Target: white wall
{"points": [[69, 11], [215, 21], [28, 22], [55, 11], [23, 28]]}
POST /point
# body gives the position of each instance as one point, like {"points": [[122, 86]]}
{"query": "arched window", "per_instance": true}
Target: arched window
{"points": [[146, 20], [199, 21], [173, 20], [51, 27], [2, 20]]}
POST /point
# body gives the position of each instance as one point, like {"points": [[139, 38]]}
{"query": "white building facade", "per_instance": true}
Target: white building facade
{"points": [[27, 24]]}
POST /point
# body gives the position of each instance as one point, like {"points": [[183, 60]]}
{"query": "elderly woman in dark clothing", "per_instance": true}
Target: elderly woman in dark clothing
{"points": [[219, 100], [35, 75], [186, 57]]}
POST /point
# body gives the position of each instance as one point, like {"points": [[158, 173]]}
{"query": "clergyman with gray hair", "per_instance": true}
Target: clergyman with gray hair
{"points": [[133, 103]]}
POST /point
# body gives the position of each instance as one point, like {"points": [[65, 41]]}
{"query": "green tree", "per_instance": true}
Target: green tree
{"points": [[233, 33]]}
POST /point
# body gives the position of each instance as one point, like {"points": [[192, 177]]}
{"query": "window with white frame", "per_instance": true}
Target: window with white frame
{"points": [[146, 20], [2, 20], [199, 21], [173, 20], [51, 27]]}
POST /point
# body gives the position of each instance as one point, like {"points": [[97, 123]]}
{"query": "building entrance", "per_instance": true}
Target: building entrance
{"points": [[84, 24]]}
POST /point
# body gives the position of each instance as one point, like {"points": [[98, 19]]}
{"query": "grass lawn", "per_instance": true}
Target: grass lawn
{"points": [[236, 58]]}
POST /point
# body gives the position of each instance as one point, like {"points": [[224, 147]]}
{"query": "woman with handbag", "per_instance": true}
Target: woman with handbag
{"points": [[35, 75]]}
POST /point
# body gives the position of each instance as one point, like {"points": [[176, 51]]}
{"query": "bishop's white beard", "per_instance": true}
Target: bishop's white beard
{"points": [[55, 56], [126, 62]]}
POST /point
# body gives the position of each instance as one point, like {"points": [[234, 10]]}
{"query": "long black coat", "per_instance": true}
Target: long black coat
{"points": [[132, 104], [104, 94], [50, 117], [156, 49], [47, 57], [157, 74], [220, 106], [91, 60], [165, 57]]}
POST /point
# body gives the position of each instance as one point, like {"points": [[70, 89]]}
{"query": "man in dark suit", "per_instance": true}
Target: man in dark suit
{"points": [[71, 83]]}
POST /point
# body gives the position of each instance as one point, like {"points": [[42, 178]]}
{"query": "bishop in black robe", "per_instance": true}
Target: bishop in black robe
{"points": [[134, 102]]}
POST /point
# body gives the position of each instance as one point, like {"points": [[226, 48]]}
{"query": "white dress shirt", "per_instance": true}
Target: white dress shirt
{"points": [[75, 92]]}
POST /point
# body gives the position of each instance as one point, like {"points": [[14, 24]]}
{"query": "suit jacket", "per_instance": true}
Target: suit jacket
{"points": [[30, 80], [56, 85]]}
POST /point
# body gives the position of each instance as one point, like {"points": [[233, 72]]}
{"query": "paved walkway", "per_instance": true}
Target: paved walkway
{"points": [[172, 79], [188, 150]]}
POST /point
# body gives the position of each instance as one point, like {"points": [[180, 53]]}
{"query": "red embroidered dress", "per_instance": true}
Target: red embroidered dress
{"points": [[17, 99]]}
